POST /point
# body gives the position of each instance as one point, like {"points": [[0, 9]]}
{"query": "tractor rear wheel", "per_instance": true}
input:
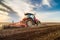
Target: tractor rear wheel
{"points": [[30, 23]]}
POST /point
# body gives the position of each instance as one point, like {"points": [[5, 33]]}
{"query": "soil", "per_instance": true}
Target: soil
{"points": [[45, 32]]}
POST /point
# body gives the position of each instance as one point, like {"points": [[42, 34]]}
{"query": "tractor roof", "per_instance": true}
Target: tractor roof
{"points": [[29, 14]]}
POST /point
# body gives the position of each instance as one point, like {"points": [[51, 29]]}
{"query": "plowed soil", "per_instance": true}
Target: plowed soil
{"points": [[44, 32]]}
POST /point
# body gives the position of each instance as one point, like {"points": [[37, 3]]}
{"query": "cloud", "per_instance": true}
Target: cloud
{"points": [[20, 6], [46, 2], [43, 4], [49, 16], [40, 3], [23, 6], [42, 15], [4, 17]]}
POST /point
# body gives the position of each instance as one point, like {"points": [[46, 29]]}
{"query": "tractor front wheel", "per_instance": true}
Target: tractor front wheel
{"points": [[38, 23]]}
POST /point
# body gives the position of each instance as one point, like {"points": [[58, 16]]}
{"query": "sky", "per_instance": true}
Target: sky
{"points": [[45, 10]]}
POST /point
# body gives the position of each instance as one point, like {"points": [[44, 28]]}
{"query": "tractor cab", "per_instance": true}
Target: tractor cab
{"points": [[29, 15]]}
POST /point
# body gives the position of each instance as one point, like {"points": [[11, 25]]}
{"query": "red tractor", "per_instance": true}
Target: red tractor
{"points": [[29, 21]]}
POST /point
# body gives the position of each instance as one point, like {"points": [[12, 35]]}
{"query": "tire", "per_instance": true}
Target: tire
{"points": [[30, 23]]}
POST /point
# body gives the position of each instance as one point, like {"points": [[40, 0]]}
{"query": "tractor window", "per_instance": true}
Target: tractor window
{"points": [[30, 16]]}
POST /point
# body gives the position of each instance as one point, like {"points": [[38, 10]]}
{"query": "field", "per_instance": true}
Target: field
{"points": [[46, 31], [2, 24]]}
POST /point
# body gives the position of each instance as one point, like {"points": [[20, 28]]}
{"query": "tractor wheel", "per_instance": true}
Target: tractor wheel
{"points": [[29, 23]]}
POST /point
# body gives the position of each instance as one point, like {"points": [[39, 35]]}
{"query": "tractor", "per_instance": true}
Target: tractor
{"points": [[30, 20]]}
